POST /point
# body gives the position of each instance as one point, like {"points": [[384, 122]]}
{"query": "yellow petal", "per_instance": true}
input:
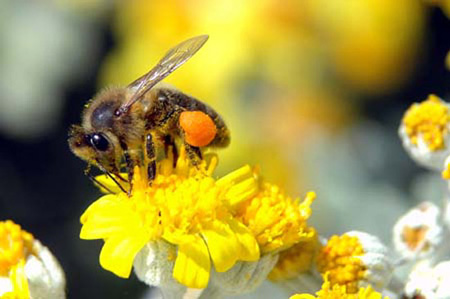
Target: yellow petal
{"points": [[118, 253], [249, 246], [235, 176], [19, 281], [223, 246], [104, 201], [112, 219], [192, 265], [242, 191]]}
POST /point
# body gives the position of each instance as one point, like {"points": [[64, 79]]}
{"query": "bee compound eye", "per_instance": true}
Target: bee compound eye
{"points": [[100, 142]]}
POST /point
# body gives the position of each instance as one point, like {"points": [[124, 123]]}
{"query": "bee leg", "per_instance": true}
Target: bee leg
{"points": [[100, 166], [194, 153], [129, 164], [130, 169], [151, 157], [87, 172], [169, 143]]}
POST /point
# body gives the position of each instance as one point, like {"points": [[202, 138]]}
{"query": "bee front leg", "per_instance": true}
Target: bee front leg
{"points": [[130, 169], [151, 157], [130, 163]]}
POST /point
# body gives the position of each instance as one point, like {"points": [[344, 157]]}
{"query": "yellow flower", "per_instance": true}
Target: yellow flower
{"points": [[184, 206], [340, 292], [276, 220], [340, 259], [355, 259], [15, 246], [295, 260], [428, 120]]}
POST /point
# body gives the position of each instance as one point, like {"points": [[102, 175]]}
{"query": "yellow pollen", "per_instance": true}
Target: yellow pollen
{"points": [[329, 291], [276, 220], [428, 120], [15, 245], [413, 236], [340, 259]]}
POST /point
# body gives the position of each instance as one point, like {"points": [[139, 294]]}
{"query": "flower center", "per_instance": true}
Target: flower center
{"points": [[429, 120], [276, 220], [339, 258], [181, 200], [15, 244], [413, 236]]}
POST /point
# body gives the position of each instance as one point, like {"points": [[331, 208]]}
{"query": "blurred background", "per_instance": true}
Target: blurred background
{"points": [[313, 92]]}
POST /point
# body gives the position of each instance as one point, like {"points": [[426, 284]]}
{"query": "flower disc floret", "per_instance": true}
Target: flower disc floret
{"points": [[340, 259], [28, 269], [276, 220], [428, 120], [15, 245], [330, 291], [354, 260]]}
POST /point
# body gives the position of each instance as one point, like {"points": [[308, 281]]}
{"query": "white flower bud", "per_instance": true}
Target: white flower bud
{"points": [[355, 259], [44, 274], [424, 132], [418, 233], [376, 259], [429, 283], [40, 274], [154, 266], [242, 278]]}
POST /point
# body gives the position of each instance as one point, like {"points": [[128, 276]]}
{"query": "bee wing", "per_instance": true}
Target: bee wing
{"points": [[173, 59]]}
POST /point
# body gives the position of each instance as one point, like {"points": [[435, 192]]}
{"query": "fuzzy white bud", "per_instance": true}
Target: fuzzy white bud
{"points": [[418, 233]]}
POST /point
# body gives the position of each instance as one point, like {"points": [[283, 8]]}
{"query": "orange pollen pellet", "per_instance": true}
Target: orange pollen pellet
{"points": [[198, 127]]}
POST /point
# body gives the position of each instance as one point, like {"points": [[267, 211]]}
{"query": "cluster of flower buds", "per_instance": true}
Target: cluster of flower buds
{"points": [[424, 132], [421, 235], [358, 265]]}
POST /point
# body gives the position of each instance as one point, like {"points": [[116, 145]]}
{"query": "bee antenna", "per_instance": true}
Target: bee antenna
{"points": [[97, 182], [115, 181], [111, 177]]}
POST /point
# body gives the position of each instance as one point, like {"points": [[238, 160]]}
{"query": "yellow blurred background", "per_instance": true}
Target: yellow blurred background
{"points": [[312, 91]]}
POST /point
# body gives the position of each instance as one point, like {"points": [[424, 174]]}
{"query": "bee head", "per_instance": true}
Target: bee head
{"points": [[97, 148]]}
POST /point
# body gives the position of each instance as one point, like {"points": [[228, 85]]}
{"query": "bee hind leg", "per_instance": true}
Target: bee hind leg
{"points": [[194, 154]]}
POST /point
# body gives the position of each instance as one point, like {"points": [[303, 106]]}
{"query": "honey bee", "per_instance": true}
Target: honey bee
{"points": [[121, 125]]}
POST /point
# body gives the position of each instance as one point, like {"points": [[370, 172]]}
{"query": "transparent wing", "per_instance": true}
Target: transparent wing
{"points": [[173, 59]]}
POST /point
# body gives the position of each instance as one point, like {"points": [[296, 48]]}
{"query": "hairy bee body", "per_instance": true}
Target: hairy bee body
{"points": [[124, 125], [157, 113]]}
